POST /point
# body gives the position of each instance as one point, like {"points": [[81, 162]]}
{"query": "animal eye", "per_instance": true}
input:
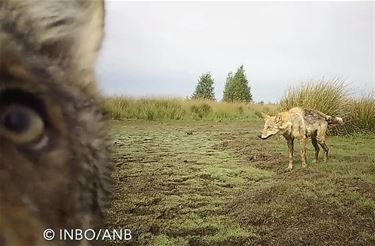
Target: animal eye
{"points": [[21, 123]]}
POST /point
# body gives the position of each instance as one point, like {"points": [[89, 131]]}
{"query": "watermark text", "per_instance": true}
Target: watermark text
{"points": [[88, 234]]}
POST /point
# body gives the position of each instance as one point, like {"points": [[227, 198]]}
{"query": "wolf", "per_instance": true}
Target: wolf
{"points": [[300, 123], [55, 165]]}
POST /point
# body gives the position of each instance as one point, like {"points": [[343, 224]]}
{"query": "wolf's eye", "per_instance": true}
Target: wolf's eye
{"points": [[21, 119], [21, 124], [17, 119]]}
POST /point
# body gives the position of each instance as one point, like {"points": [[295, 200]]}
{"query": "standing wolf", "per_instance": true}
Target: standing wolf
{"points": [[54, 161], [300, 123]]}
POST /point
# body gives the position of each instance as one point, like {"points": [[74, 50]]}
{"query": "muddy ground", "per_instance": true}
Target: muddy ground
{"points": [[215, 183]]}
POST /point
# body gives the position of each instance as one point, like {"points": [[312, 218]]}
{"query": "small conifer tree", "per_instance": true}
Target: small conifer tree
{"points": [[237, 87], [204, 88]]}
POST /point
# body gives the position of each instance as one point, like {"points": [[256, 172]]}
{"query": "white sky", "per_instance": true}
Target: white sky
{"points": [[161, 48]]}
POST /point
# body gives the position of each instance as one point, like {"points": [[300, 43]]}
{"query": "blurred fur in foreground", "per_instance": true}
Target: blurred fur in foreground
{"points": [[54, 160]]}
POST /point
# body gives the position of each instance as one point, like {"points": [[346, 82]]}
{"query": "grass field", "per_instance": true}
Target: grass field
{"points": [[215, 183], [164, 109]]}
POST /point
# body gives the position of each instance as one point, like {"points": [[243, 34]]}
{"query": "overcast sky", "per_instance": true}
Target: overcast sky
{"points": [[161, 48]]}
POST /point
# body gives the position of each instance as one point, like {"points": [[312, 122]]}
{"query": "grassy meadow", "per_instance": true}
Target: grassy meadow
{"points": [[329, 97], [164, 109], [194, 173]]}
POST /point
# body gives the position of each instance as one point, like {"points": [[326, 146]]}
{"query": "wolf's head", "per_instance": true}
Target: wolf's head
{"points": [[273, 125], [53, 151]]}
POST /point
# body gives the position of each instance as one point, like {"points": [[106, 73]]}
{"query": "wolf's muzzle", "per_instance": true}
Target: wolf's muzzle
{"points": [[260, 136]]}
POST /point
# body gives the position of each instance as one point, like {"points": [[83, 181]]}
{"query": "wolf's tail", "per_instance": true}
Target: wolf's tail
{"points": [[334, 120]]}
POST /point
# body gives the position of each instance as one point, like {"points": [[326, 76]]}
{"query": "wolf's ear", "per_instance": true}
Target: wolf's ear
{"points": [[264, 116], [70, 33], [281, 121]]}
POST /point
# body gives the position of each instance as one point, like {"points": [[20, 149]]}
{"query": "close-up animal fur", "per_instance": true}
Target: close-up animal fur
{"points": [[300, 123], [54, 159]]}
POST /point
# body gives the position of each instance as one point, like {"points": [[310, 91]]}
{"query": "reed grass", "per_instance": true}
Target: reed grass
{"points": [[179, 109]]}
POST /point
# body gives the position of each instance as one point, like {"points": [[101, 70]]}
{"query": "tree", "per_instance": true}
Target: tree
{"points": [[204, 88], [237, 87], [227, 95]]}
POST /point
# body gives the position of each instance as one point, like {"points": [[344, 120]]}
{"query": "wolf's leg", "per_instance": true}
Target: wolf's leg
{"points": [[291, 152], [314, 142], [321, 137], [325, 148], [303, 151]]}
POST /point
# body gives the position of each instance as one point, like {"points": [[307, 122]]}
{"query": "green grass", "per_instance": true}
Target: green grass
{"points": [[206, 183], [158, 109]]}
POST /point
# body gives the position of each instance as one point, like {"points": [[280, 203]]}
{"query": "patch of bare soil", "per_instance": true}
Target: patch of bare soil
{"points": [[254, 152]]}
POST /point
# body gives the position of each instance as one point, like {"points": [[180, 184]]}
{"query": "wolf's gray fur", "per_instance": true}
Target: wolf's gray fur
{"points": [[301, 124], [54, 159]]}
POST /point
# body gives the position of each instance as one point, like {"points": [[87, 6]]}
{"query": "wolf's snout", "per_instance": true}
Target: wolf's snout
{"points": [[264, 138]]}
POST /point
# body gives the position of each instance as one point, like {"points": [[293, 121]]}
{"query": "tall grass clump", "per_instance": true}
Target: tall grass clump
{"points": [[326, 96], [362, 114], [200, 111], [331, 97]]}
